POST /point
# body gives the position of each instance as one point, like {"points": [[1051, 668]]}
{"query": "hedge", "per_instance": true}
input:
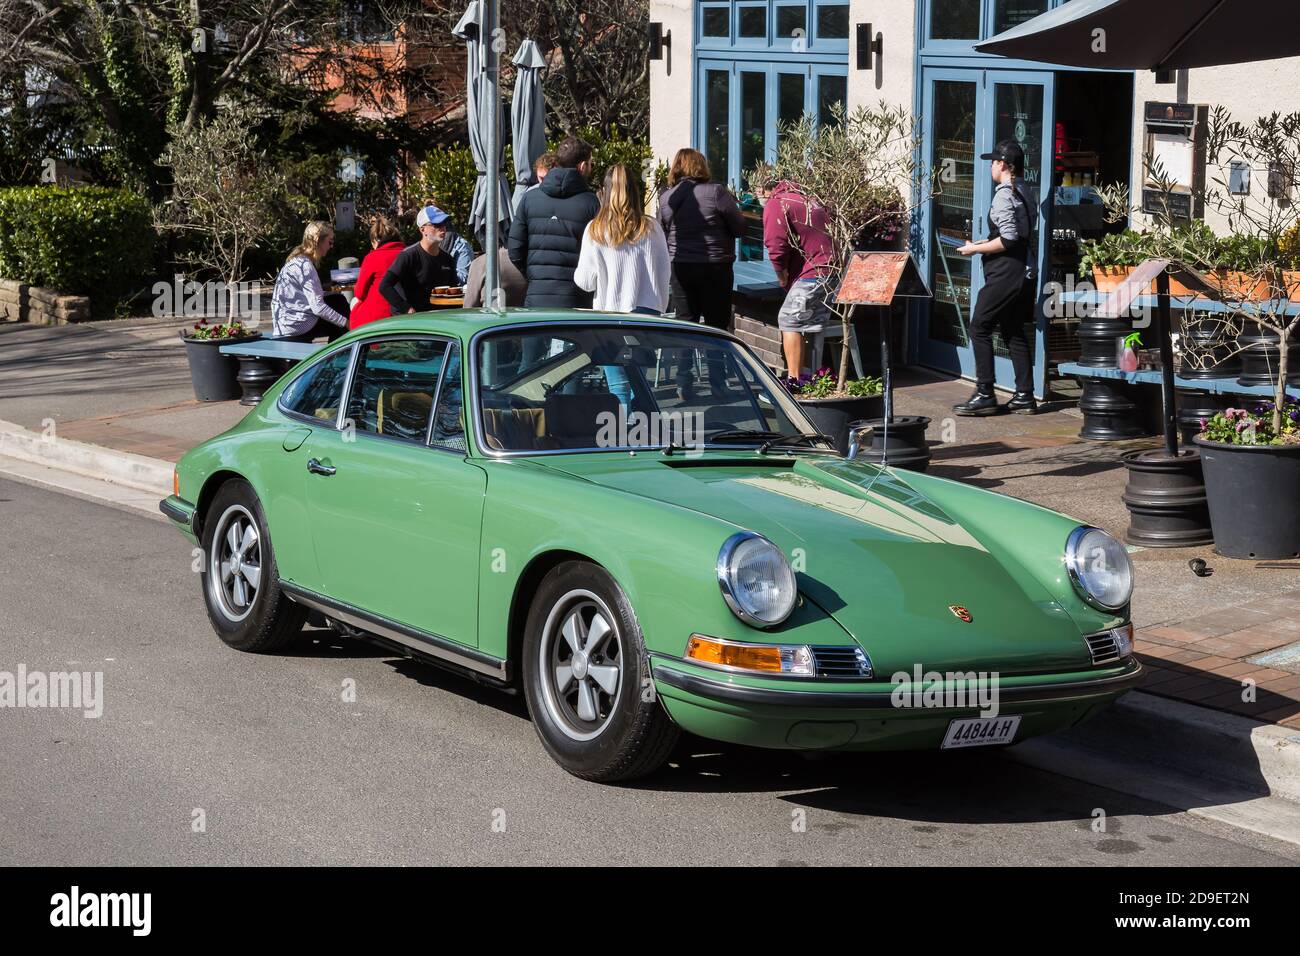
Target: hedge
{"points": [[84, 240]]}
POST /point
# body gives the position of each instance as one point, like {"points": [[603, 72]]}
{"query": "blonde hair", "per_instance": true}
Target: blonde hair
{"points": [[312, 236], [622, 215], [688, 164]]}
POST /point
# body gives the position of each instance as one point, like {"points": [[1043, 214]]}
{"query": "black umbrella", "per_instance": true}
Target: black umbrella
{"points": [[1154, 34]]}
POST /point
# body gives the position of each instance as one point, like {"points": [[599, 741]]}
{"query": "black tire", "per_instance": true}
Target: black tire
{"points": [[631, 735], [267, 621]]}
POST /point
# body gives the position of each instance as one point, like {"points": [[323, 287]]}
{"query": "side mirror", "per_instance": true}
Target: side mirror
{"points": [[859, 434]]}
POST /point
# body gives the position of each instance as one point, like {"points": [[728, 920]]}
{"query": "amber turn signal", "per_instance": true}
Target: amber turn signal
{"points": [[748, 657], [176, 483]]}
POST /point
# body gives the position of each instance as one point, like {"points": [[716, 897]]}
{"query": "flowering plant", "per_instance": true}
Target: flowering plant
{"points": [[825, 384], [1239, 426], [222, 330]]}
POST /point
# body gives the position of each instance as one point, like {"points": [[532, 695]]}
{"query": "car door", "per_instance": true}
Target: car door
{"points": [[395, 506]]}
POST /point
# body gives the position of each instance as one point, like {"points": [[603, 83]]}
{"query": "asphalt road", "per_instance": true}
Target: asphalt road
{"points": [[426, 768]]}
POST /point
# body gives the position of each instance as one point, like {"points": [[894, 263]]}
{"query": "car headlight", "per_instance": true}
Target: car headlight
{"points": [[1099, 568], [756, 579]]}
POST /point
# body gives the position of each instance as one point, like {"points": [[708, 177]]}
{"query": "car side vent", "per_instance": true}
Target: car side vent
{"points": [[843, 662], [1102, 647]]}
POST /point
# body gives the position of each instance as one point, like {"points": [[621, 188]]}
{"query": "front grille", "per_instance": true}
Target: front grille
{"points": [[842, 662], [1102, 647]]}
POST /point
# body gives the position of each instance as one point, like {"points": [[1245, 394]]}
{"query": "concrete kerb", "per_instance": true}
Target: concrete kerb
{"points": [[120, 467]]}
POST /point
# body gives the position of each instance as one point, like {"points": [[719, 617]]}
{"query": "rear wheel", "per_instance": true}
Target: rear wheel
{"points": [[241, 585], [587, 678]]}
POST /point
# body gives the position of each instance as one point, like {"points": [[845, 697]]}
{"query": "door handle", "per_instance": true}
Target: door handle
{"points": [[316, 468]]}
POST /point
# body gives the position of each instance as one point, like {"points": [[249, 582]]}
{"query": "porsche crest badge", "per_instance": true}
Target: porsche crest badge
{"points": [[960, 612]]}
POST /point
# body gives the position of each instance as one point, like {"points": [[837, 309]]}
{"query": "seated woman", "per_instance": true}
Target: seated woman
{"points": [[385, 244], [299, 310]]}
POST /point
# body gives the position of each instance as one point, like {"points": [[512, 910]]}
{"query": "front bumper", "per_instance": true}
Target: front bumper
{"points": [[773, 713], [181, 512]]}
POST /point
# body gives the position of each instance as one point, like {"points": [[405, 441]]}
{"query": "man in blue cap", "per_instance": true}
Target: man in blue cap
{"points": [[441, 257]]}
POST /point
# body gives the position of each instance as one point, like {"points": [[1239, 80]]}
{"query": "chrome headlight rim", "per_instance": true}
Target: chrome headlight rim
{"points": [[1076, 579], [723, 570]]}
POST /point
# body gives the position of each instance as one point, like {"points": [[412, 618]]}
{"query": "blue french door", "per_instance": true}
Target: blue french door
{"points": [[966, 111]]}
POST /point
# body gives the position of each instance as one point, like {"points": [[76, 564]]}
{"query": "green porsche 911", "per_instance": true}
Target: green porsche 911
{"points": [[629, 520]]}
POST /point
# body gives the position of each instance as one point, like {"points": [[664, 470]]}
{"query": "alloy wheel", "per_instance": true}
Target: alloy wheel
{"points": [[581, 664], [235, 564]]}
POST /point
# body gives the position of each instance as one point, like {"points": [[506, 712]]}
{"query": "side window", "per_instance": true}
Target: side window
{"points": [[449, 421], [317, 392], [393, 387]]}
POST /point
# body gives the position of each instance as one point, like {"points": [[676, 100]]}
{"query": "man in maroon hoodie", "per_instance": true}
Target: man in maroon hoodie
{"points": [[799, 247]]}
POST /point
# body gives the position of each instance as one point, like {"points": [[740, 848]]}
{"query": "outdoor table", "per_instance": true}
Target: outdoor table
{"points": [[262, 362], [447, 301]]}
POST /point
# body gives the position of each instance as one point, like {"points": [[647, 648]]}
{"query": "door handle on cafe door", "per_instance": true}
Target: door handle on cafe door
{"points": [[316, 468]]}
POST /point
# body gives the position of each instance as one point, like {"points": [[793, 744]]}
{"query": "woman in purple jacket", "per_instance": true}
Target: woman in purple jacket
{"points": [[701, 221]]}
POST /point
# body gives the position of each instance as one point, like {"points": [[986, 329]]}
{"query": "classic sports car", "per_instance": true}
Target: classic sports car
{"points": [[628, 519]]}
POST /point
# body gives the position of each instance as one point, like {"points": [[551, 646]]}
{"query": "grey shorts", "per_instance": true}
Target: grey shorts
{"points": [[804, 309]]}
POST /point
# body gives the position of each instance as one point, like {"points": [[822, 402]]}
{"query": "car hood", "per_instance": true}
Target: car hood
{"points": [[885, 560]]}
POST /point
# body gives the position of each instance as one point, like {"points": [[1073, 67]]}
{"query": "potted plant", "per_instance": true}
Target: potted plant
{"points": [[831, 407], [1252, 458], [213, 374], [1252, 472]]}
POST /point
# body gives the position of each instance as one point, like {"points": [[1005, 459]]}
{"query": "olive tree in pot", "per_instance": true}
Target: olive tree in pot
{"points": [[222, 203], [859, 167], [1251, 457]]}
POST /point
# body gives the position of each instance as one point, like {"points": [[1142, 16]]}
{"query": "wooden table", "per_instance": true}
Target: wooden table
{"points": [[447, 301]]}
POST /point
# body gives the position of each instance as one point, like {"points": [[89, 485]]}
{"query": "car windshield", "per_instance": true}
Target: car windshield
{"points": [[558, 388]]}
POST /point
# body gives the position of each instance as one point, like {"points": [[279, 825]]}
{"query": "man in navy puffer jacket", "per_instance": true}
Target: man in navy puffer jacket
{"points": [[546, 234]]}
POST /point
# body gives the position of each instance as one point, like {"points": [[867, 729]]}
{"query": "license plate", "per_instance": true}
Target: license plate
{"points": [[980, 732]]}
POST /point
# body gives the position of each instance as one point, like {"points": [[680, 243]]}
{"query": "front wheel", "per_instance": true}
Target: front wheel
{"points": [[587, 678], [241, 584]]}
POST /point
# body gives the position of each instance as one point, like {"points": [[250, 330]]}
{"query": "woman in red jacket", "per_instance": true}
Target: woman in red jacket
{"points": [[386, 243]]}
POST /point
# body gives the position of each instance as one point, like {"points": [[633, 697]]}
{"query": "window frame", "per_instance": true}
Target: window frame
{"points": [[343, 398]]}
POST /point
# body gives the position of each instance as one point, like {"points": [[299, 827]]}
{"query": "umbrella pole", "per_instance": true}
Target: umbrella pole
{"points": [[1168, 395], [491, 74]]}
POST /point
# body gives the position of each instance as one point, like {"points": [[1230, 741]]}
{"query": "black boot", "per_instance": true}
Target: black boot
{"points": [[981, 402], [1022, 403]]}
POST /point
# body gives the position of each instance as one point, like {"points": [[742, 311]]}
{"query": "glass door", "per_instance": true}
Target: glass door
{"points": [[966, 112]]}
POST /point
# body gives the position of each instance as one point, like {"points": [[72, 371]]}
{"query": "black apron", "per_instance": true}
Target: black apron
{"points": [[1008, 280]]}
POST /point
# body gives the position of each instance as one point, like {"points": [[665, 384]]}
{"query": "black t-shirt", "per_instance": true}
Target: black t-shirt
{"points": [[413, 275]]}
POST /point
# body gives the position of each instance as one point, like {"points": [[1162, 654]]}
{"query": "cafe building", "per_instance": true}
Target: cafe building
{"points": [[730, 71]]}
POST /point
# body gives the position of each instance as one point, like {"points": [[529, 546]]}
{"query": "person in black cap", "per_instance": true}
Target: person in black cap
{"points": [[1006, 301]]}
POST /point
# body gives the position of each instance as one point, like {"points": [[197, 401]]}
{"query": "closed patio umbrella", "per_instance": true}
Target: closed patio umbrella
{"points": [[527, 115], [480, 115], [1154, 34]]}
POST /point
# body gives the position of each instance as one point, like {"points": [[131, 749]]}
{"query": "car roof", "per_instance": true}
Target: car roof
{"points": [[466, 323]]}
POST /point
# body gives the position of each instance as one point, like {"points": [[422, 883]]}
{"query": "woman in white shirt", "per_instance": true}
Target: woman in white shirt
{"points": [[299, 310], [624, 256]]}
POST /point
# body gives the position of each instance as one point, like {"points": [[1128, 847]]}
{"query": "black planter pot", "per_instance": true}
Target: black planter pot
{"points": [[1222, 360], [1251, 490], [1097, 340], [831, 416], [904, 439], [1195, 405], [214, 376], [1166, 500], [1261, 357]]}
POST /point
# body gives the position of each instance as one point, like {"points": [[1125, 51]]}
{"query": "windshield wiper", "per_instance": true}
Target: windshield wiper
{"points": [[745, 434], [797, 438]]}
